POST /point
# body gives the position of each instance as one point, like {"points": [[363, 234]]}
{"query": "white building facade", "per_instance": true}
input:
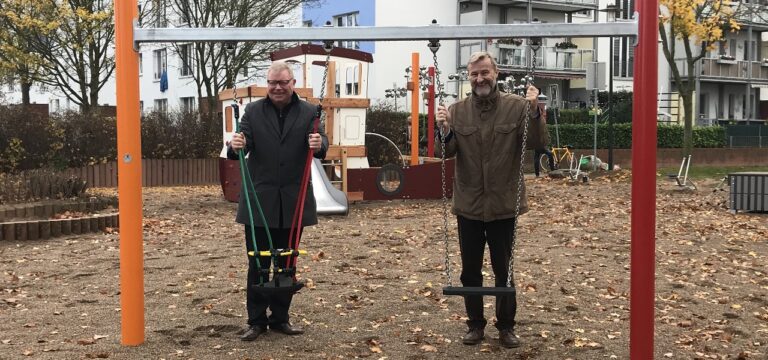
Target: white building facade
{"points": [[729, 86]]}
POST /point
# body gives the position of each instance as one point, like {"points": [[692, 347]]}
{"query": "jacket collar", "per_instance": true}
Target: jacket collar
{"points": [[486, 103]]}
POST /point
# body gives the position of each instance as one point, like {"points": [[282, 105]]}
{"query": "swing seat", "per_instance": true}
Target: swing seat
{"points": [[280, 284], [477, 290]]}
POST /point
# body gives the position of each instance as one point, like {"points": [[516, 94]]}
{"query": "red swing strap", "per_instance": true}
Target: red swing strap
{"points": [[295, 232]]}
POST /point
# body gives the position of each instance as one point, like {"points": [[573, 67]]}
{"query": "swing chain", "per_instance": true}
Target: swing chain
{"points": [[327, 46], [434, 46], [529, 82]]}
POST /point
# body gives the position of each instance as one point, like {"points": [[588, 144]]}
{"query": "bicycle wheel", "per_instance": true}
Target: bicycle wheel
{"points": [[544, 164]]}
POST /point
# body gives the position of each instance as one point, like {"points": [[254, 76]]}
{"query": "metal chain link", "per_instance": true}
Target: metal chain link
{"points": [[434, 46], [510, 270], [328, 48]]}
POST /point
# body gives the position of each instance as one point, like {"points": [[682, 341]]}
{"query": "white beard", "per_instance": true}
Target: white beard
{"points": [[483, 90]]}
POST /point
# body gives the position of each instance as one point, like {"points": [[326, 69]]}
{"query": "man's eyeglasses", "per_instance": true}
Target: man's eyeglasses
{"points": [[279, 82]]}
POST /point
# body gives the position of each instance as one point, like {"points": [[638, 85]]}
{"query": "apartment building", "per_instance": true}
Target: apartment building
{"points": [[732, 79], [729, 80]]}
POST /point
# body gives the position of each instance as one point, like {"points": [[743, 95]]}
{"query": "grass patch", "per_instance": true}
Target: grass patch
{"points": [[711, 172]]}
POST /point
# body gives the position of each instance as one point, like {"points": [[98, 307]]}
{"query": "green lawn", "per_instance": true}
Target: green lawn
{"points": [[711, 172]]}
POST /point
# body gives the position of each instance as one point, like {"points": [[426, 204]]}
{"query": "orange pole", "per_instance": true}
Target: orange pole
{"points": [[415, 109], [129, 175]]}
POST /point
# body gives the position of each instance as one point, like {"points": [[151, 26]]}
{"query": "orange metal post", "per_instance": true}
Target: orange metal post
{"points": [[129, 175], [415, 109]]}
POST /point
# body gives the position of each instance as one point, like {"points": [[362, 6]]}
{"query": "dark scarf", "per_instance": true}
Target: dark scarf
{"points": [[282, 113]]}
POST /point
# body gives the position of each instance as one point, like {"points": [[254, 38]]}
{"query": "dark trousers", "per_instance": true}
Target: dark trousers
{"points": [[473, 235], [537, 155], [257, 303]]}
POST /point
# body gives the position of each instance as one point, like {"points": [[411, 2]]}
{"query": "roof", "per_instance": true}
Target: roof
{"points": [[312, 49]]}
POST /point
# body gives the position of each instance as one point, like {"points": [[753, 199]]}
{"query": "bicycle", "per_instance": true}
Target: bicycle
{"points": [[562, 157]]}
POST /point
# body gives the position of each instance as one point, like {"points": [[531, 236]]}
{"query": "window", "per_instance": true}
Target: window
{"points": [[744, 107], [346, 20], [55, 106], [185, 57], [141, 63], [187, 104], [353, 81], [731, 105], [583, 13], [704, 106], [307, 23], [161, 106], [141, 108], [161, 62]]}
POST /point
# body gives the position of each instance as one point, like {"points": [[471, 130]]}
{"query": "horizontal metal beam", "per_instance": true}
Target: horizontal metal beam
{"points": [[392, 33]]}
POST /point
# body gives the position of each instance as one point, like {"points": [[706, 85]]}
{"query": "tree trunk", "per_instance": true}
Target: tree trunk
{"points": [[26, 86]]}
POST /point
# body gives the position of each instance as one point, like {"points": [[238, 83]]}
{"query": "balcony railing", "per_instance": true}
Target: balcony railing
{"points": [[752, 13], [547, 57], [735, 69], [577, 2]]}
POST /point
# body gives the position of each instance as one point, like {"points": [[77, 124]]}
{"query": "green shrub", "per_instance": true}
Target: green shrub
{"points": [[383, 120], [581, 136], [84, 139], [180, 135], [26, 139], [39, 184]]}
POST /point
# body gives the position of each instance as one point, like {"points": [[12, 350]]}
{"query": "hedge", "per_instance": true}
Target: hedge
{"points": [[581, 136]]}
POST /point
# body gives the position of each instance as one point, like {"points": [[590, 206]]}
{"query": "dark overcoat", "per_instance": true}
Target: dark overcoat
{"points": [[276, 162]]}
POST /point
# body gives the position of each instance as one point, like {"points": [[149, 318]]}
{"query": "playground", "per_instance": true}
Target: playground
{"points": [[375, 277]]}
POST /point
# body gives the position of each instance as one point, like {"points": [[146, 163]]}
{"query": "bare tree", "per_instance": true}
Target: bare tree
{"points": [[213, 66], [74, 40]]}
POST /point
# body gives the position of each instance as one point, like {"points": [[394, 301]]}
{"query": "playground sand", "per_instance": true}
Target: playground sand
{"points": [[375, 277]]}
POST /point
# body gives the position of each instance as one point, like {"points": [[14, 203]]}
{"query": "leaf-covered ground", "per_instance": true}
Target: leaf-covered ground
{"points": [[375, 277]]}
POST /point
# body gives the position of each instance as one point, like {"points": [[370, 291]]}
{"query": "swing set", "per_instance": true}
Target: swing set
{"points": [[129, 36]]}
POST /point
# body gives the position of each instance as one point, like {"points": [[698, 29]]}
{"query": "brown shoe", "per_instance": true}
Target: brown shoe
{"points": [[508, 339], [253, 333], [287, 329], [473, 336]]}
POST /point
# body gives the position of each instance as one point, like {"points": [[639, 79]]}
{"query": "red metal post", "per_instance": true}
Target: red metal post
{"points": [[643, 246], [431, 114]]}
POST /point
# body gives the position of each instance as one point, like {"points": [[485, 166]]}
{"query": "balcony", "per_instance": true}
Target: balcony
{"points": [[567, 5], [752, 14], [548, 58], [729, 70]]}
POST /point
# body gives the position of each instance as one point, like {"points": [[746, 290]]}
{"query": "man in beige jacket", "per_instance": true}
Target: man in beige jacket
{"points": [[484, 132]]}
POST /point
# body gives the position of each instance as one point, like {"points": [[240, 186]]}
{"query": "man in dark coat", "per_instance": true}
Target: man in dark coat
{"points": [[276, 133]]}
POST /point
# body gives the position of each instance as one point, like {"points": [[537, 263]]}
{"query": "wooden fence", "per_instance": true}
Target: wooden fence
{"points": [[155, 172]]}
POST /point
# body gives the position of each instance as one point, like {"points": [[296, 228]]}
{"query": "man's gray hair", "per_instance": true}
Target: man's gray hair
{"points": [[279, 66], [480, 56]]}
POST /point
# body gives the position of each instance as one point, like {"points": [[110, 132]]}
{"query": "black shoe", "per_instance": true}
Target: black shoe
{"points": [[253, 333], [508, 339], [473, 336], [287, 329]]}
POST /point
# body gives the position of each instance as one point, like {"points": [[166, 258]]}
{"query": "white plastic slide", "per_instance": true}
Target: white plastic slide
{"points": [[329, 199]]}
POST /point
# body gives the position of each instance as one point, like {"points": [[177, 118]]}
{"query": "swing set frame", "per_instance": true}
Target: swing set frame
{"points": [[128, 37]]}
